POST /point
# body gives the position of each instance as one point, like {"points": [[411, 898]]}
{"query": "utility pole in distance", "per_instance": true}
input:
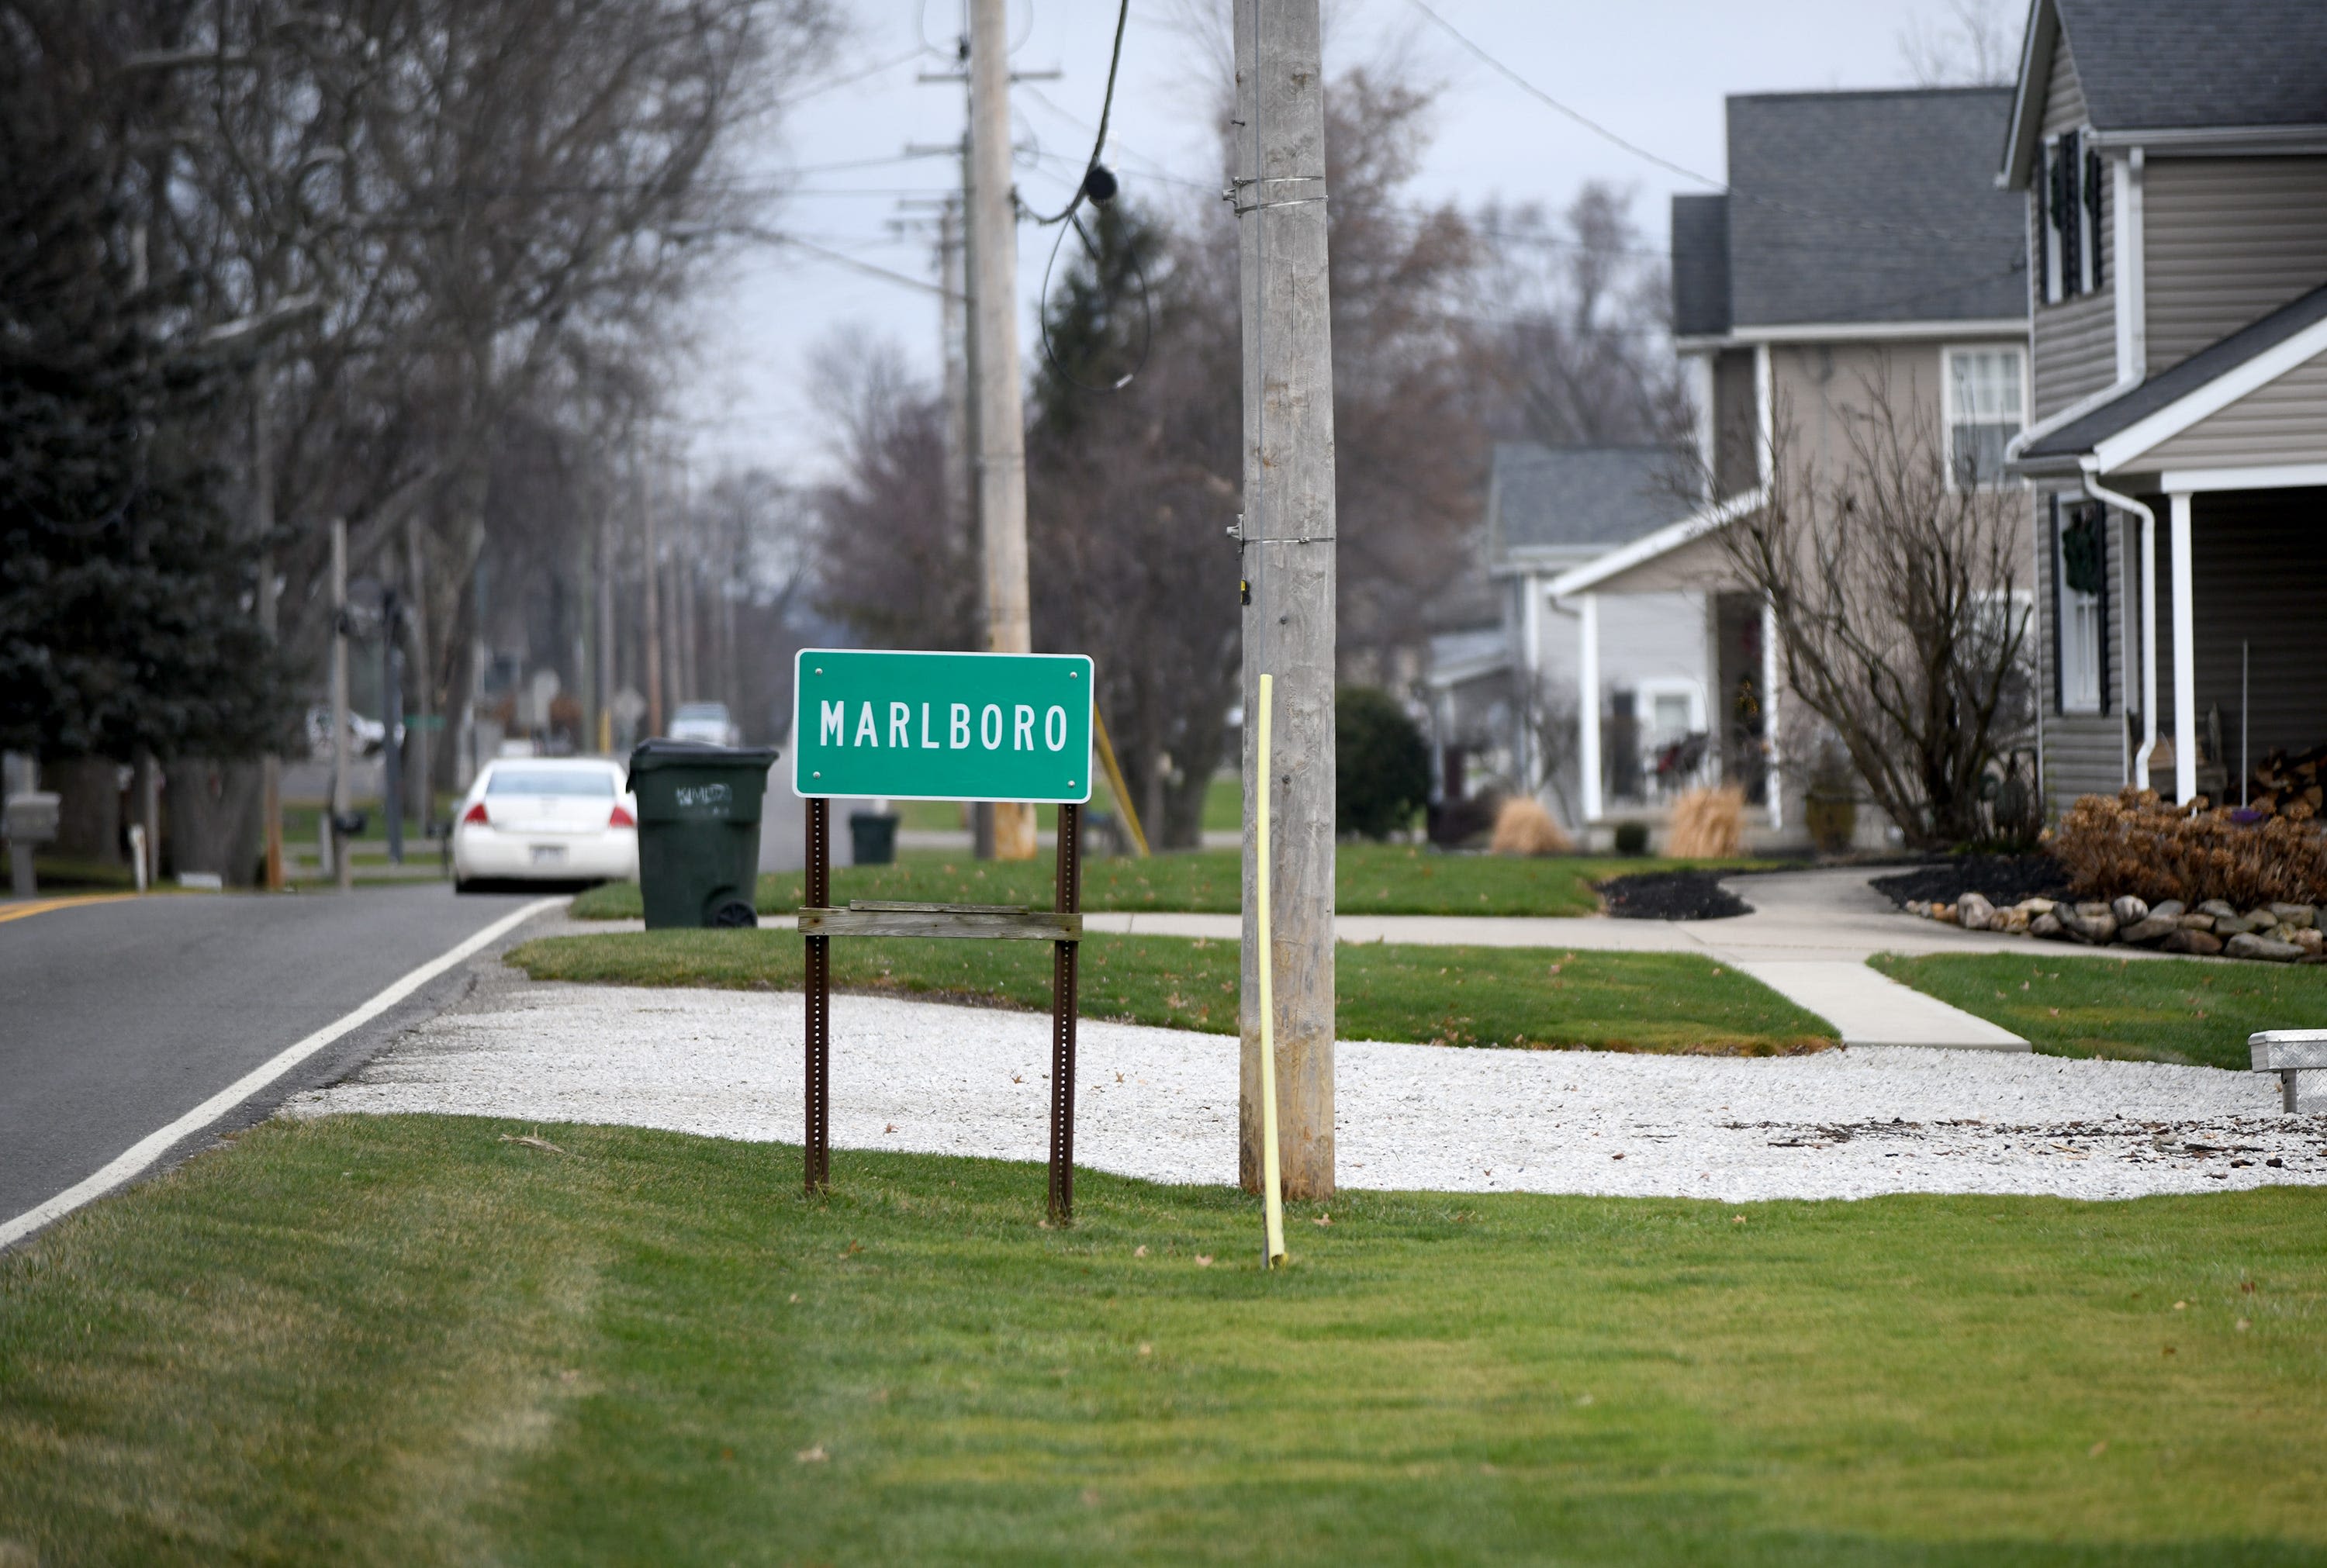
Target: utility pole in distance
{"points": [[1001, 407], [1287, 541], [344, 754]]}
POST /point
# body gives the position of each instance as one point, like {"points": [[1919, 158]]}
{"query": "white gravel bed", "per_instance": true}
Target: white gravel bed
{"points": [[1162, 1104]]}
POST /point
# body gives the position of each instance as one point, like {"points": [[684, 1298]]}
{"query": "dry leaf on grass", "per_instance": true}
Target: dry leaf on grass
{"points": [[811, 1455], [530, 1141]]}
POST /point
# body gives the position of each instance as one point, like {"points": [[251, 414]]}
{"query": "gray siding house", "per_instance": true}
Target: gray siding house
{"points": [[2171, 165], [1862, 246], [1491, 688]]}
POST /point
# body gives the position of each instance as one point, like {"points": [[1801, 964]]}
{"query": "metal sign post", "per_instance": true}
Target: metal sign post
{"points": [[942, 727]]}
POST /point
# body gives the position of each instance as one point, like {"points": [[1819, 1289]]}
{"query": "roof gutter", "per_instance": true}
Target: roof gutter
{"points": [[2148, 613]]}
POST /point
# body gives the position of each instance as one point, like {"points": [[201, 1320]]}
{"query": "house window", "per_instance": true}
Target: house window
{"points": [[2082, 575], [2069, 212], [1985, 412]]}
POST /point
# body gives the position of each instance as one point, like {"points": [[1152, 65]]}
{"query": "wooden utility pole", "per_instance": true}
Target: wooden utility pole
{"points": [[603, 722], [343, 755], [1288, 536], [262, 517], [653, 593], [1001, 408]]}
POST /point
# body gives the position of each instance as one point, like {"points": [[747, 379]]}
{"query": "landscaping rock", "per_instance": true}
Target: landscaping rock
{"points": [[2311, 939], [2232, 925], [2216, 908], [2129, 911], [1975, 913], [2011, 922], [2156, 928], [2302, 917], [2047, 925], [2032, 908], [1944, 913], [2189, 939], [2092, 923], [2171, 909], [2246, 945], [2197, 922]]}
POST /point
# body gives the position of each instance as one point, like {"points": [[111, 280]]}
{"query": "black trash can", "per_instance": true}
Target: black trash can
{"points": [[698, 831], [872, 837]]}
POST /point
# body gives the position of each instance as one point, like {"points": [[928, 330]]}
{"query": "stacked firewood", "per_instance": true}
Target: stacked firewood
{"points": [[2282, 780]]}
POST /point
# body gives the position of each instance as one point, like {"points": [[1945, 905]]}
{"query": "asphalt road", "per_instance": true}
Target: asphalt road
{"points": [[118, 1018]]}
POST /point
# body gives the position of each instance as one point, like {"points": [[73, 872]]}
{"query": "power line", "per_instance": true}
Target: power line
{"points": [[1661, 162], [1106, 109]]}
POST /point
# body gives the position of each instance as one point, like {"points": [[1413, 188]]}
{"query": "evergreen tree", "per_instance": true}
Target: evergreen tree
{"points": [[127, 615]]}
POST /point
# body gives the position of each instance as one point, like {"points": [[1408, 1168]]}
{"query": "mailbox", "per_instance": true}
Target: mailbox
{"points": [[30, 817]]}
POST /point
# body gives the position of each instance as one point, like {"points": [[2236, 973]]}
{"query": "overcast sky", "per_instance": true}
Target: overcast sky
{"points": [[1654, 71]]}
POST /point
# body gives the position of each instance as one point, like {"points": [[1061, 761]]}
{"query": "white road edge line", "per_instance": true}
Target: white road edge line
{"points": [[154, 1146]]}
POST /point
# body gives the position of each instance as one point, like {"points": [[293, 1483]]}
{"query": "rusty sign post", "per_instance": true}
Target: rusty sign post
{"points": [[947, 726]]}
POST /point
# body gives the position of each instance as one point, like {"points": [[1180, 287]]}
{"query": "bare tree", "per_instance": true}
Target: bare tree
{"points": [[1574, 328], [892, 561], [1977, 43], [1899, 608]]}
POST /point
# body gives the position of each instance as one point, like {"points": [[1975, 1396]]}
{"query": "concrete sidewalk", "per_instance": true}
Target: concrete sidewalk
{"points": [[1808, 938]]}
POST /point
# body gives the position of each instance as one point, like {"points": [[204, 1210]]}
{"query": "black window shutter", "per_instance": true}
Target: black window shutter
{"points": [[2060, 606], [2094, 173], [2069, 217], [2100, 516]]}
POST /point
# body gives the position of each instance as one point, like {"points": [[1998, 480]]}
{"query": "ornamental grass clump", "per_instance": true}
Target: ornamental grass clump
{"points": [[1707, 825], [2137, 843]]}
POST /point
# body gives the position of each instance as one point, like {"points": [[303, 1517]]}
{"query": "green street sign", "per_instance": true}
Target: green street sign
{"points": [[942, 727]]}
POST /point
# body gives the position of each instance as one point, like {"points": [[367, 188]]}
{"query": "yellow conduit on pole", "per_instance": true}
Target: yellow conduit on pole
{"points": [[1114, 782], [1272, 1178]]}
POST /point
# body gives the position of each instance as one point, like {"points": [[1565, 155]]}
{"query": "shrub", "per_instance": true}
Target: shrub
{"points": [[1707, 824], [2135, 844], [1381, 767], [1524, 827], [1632, 838]]}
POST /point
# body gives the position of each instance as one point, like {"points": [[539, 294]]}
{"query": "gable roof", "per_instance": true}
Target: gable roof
{"points": [[1875, 207], [2252, 350], [1574, 501], [2161, 65]]}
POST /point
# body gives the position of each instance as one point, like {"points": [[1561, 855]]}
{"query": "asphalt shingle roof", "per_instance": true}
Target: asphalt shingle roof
{"points": [[2198, 63], [1871, 207], [1555, 497], [1700, 265], [2170, 387]]}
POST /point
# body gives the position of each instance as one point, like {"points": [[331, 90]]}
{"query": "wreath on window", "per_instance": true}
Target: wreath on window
{"points": [[2084, 558]]}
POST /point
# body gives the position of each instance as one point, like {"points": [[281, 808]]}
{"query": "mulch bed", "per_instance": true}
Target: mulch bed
{"points": [[1672, 895], [2002, 879]]}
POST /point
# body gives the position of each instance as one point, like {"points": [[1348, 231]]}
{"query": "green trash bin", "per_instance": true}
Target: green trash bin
{"points": [[698, 831]]}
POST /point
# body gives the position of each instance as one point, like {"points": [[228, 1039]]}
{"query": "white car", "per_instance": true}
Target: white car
{"points": [[545, 819], [706, 721]]}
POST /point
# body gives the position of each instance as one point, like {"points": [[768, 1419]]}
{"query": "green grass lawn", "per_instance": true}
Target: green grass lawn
{"points": [[1495, 997], [411, 1339], [2183, 1010], [1223, 809], [1375, 878]]}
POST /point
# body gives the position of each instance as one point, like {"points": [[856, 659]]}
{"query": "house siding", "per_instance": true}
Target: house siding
{"points": [[2227, 241], [2282, 421], [2074, 341], [1736, 431]]}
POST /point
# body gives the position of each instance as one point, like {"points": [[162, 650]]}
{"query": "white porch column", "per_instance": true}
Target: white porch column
{"points": [[2149, 648], [1588, 706], [1530, 671], [1773, 787], [2185, 658]]}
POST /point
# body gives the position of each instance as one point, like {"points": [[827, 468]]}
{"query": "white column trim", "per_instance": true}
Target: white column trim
{"points": [[1775, 787], [1531, 669], [2132, 284], [2185, 656], [1765, 412], [1587, 706], [2148, 651]]}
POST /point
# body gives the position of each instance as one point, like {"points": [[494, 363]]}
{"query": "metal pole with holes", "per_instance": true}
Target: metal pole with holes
{"points": [[818, 986], [1063, 968]]}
